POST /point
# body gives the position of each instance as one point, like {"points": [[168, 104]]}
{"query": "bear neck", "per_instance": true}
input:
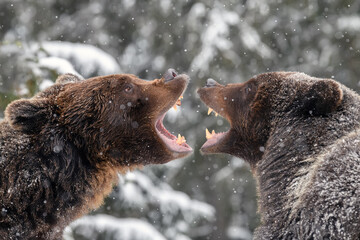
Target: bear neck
{"points": [[83, 178], [292, 143]]}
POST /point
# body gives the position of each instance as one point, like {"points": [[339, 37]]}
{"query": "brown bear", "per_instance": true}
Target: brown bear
{"points": [[61, 150], [301, 137]]}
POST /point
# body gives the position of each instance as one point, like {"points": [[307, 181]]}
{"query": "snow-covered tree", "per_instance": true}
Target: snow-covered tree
{"points": [[227, 40]]}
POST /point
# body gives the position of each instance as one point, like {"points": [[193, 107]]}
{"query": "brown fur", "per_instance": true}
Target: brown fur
{"points": [[62, 150], [301, 137]]}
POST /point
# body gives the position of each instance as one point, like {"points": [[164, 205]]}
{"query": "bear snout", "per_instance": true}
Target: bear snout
{"points": [[169, 75], [211, 83]]}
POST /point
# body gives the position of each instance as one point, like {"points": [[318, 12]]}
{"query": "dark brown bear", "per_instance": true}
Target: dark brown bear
{"points": [[301, 138], [61, 150]]}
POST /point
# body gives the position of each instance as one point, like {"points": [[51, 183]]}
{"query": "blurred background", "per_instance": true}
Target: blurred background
{"points": [[200, 197]]}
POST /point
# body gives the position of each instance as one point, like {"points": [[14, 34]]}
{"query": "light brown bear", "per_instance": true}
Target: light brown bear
{"points": [[301, 137], [61, 150]]}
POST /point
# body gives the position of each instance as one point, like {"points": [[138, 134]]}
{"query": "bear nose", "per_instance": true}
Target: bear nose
{"points": [[170, 74], [211, 82]]}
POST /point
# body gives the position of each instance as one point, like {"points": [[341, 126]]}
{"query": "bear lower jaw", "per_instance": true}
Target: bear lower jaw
{"points": [[177, 148], [213, 142]]}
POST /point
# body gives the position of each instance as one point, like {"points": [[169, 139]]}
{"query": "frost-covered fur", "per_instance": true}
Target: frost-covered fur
{"points": [[308, 166], [309, 175]]}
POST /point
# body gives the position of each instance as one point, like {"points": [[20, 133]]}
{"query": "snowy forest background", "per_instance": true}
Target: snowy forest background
{"points": [[200, 197]]}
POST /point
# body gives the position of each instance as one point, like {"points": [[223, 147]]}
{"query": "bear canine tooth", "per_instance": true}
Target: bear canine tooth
{"points": [[178, 103], [180, 140], [209, 135], [212, 110]]}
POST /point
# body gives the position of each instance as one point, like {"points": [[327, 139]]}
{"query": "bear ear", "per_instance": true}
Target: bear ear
{"points": [[323, 97], [68, 78], [28, 115]]}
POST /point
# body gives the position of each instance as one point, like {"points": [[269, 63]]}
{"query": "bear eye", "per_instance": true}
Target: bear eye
{"points": [[128, 88], [247, 90]]}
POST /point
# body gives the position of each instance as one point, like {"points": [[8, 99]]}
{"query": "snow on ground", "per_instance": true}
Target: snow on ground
{"points": [[104, 226]]}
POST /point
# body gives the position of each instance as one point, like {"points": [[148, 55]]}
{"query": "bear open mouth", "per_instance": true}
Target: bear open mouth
{"points": [[213, 96], [175, 144], [213, 138]]}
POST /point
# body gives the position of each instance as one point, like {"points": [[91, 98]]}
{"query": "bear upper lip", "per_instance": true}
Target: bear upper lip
{"points": [[170, 104]]}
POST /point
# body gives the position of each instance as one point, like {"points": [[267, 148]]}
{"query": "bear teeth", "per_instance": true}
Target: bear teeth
{"points": [[212, 110], [209, 135], [180, 140], [178, 103]]}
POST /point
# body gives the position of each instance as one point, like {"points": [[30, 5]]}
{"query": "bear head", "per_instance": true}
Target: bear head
{"points": [[255, 107], [114, 118]]}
